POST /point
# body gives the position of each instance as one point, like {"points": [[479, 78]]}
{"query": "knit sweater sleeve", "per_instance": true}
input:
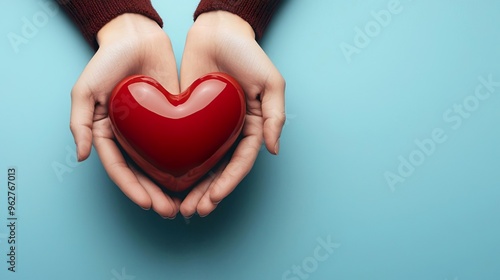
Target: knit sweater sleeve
{"points": [[91, 15], [257, 13]]}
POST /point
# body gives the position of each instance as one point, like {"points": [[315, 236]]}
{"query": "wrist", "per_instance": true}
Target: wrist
{"points": [[128, 25], [222, 20], [257, 13]]}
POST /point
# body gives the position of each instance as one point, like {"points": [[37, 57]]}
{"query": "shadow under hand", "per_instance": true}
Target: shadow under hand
{"points": [[182, 237]]}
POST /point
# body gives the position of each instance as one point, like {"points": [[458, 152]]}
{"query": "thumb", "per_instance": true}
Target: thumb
{"points": [[82, 113], [273, 111]]}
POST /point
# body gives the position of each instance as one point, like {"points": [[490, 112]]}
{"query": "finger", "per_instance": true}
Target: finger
{"points": [[188, 206], [82, 114], [120, 173], [161, 203], [273, 111], [239, 166], [177, 201], [190, 203]]}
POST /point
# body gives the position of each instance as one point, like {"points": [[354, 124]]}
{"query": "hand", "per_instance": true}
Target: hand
{"points": [[129, 44], [224, 42]]}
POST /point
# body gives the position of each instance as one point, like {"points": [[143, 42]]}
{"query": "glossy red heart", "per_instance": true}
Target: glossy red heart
{"points": [[176, 139]]}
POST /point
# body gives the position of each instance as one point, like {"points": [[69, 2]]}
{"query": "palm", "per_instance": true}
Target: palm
{"points": [[122, 53], [232, 49]]}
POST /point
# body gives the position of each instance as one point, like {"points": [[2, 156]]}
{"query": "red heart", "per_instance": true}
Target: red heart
{"points": [[176, 139]]}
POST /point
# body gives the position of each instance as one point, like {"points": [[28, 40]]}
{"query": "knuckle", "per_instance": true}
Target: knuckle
{"points": [[76, 91], [72, 125], [280, 81], [281, 118]]}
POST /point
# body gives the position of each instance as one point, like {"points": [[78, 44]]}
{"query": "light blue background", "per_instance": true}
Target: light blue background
{"points": [[347, 125]]}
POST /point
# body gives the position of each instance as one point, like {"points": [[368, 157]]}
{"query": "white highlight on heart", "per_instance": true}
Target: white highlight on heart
{"points": [[152, 99]]}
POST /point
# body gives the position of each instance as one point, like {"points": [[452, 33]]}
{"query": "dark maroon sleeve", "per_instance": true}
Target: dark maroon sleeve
{"points": [[257, 13], [91, 15]]}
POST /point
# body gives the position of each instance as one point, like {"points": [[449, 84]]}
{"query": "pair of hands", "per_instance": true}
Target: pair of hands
{"points": [[217, 41]]}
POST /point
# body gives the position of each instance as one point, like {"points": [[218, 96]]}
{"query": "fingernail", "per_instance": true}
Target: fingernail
{"points": [[277, 147], [145, 209], [188, 217]]}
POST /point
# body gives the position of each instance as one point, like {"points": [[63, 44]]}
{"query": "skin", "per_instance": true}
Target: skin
{"points": [[224, 42], [134, 44], [129, 44]]}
